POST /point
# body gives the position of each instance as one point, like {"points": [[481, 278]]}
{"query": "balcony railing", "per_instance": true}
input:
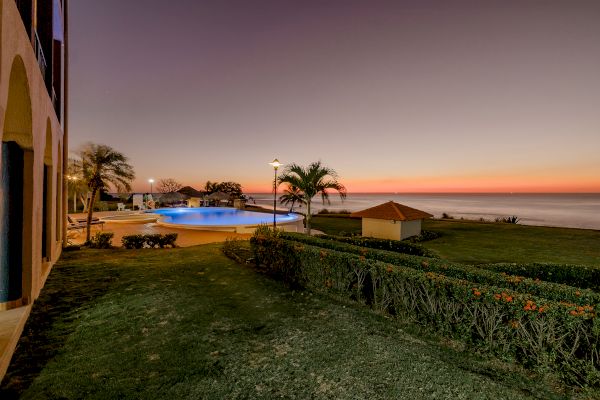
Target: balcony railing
{"points": [[39, 54]]}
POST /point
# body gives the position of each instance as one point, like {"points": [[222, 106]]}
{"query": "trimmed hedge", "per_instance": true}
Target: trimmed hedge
{"points": [[583, 276], [101, 240], [150, 240], [384, 244], [535, 331], [549, 290]]}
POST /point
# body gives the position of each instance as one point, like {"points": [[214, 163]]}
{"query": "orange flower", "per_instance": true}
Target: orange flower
{"points": [[497, 296], [573, 312]]}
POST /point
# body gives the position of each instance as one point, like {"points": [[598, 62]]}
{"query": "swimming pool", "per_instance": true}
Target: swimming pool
{"points": [[224, 219]]}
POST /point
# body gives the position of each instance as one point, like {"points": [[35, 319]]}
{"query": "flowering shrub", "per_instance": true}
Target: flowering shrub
{"points": [[549, 290], [533, 330], [582, 276], [384, 244]]}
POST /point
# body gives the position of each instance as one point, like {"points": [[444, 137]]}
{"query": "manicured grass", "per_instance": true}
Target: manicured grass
{"points": [[478, 243], [190, 323], [475, 243], [336, 224]]}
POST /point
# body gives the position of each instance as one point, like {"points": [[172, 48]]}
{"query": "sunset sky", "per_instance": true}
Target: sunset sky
{"points": [[397, 96]]}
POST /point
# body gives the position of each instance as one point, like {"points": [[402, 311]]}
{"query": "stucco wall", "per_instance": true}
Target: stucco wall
{"points": [[410, 228], [387, 229], [381, 228], [27, 117]]}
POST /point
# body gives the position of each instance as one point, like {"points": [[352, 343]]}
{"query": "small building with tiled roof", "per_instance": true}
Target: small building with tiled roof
{"points": [[391, 220]]}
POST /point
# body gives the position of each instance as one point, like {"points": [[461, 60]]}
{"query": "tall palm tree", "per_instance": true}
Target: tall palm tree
{"points": [[103, 166], [292, 195], [312, 180]]}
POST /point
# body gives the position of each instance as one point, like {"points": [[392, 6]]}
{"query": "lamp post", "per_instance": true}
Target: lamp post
{"points": [[275, 164], [73, 179]]}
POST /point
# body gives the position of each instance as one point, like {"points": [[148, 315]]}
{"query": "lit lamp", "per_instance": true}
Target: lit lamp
{"points": [[275, 164], [151, 181], [73, 178]]}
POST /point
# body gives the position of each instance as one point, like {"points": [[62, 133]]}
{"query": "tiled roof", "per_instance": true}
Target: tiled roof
{"points": [[392, 211]]}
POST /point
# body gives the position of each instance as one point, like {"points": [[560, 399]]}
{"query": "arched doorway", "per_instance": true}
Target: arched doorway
{"points": [[47, 198], [16, 205]]}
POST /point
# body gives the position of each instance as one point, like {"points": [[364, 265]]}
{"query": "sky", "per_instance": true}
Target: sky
{"points": [[396, 96]]}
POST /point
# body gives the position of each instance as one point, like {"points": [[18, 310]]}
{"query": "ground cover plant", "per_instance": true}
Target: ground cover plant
{"points": [[384, 244], [472, 242], [533, 330], [189, 323]]}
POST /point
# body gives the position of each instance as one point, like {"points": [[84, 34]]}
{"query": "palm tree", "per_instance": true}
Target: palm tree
{"points": [[103, 166], [292, 195], [312, 180]]}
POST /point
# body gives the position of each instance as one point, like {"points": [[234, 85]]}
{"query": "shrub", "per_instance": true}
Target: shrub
{"points": [[101, 240], [447, 216], [153, 240], [583, 276], [167, 239], [133, 241], [384, 244], [534, 331], [508, 220], [424, 236], [550, 290]]}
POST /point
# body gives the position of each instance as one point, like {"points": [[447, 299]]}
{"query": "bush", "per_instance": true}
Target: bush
{"points": [[583, 276], [384, 244], [508, 220], [167, 239], [550, 290], [133, 241], [151, 240], [532, 330], [424, 236], [101, 240]]}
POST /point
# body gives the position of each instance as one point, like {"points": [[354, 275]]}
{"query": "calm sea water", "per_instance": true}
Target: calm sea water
{"points": [[567, 210]]}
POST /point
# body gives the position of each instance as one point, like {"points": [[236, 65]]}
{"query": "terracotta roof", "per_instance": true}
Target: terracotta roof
{"points": [[392, 211]]}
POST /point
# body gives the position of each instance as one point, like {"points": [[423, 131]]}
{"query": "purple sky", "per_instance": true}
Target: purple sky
{"points": [[395, 95]]}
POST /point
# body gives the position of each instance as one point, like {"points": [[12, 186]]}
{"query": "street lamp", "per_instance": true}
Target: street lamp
{"points": [[151, 181], [275, 164], [73, 178]]}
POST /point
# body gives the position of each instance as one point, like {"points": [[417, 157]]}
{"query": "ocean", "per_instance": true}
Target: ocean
{"points": [[573, 210]]}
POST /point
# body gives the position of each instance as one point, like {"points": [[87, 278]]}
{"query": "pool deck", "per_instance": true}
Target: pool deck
{"points": [[185, 237]]}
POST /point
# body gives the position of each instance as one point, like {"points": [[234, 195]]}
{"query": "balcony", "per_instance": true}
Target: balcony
{"points": [[39, 54]]}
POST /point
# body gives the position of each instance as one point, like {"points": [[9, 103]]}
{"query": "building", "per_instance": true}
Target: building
{"points": [[391, 221], [33, 112]]}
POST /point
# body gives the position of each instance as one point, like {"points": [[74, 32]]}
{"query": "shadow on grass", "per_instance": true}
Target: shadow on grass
{"points": [[69, 292]]}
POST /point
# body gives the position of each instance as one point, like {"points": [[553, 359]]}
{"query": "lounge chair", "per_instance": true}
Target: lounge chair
{"points": [[121, 207], [83, 221]]}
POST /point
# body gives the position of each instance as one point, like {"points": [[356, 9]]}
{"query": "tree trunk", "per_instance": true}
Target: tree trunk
{"points": [[308, 217], [89, 216]]}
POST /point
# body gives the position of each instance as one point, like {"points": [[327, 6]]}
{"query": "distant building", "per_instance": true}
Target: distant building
{"points": [[32, 194], [391, 221]]}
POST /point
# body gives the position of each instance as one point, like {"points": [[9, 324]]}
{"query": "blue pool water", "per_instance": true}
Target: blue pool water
{"points": [[218, 216]]}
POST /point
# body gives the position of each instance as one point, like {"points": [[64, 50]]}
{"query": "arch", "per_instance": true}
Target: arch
{"points": [[16, 202], [47, 198], [18, 118], [59, 194]]}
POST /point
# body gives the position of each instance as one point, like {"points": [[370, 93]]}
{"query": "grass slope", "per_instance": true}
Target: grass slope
{"points": [[190, 323], [477, 243]]}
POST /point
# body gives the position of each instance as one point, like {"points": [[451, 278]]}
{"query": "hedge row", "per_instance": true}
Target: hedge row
{"points": [[384, 244], [535, 331], [150, 240], [549, 290], [583, 276]]}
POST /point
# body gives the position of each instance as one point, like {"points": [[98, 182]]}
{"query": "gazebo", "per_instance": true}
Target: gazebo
{"points": [[391, 220]]}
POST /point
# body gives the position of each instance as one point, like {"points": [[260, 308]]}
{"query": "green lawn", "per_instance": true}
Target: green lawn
{"points": [[476, 243], [190, 323]]}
